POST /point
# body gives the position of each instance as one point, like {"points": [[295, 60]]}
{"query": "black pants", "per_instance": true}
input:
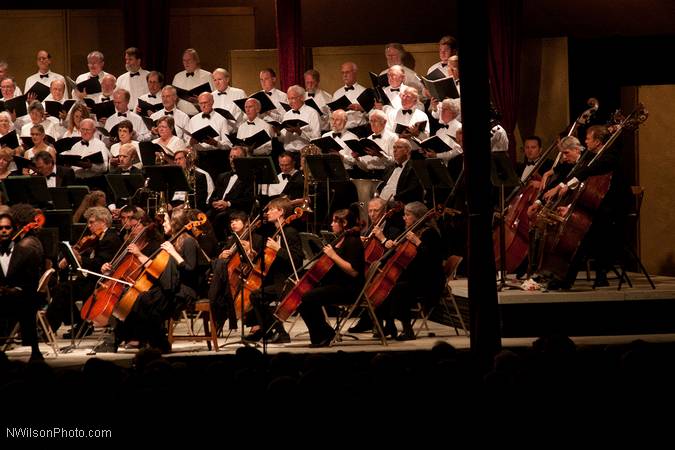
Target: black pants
{"points": [[220, 296], [312, 313], [22, 308]]}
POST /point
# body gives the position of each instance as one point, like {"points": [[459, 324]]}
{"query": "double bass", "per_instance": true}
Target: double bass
{"points": [[150, 272], [564, 228], [516, 221]]}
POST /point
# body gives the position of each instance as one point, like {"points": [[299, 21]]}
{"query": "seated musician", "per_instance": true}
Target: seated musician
{"points": [[291, 180], [342, 283], [423, 278], [383, 231], [21, 260], [91, 251], [220, 289], [288, 259], [600, 241], [401, 182]]}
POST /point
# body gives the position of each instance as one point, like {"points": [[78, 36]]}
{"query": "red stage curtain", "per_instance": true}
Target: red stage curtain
{"points": [[146, 26], [289, 43]]}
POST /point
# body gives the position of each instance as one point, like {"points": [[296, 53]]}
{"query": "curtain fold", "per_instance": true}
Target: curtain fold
{"points": [[289, 43], [146, 26], [505, 18]]}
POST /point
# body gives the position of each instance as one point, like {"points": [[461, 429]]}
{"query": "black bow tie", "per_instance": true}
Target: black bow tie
{"points": [[168, 113], [206, 116], [152, 96], [268, 93], [400, 166], [457, 82], [349, 88], [189, 74], [530, 163], [311, 94], [121, 114], [44, 75], [296, 111], [395, 89], [5, 248], [105, 99], [84, 143], [134, 74], [444, 64], [376, 136], [250, 123], [337, 135], [51, 175], [285, 176], [440, 125], [222, 93], [407, 111]]}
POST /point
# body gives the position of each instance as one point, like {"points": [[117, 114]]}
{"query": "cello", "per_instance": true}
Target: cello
{"points": [[152, 270], [564, 228], [516, 221], [374, 249], [253, 282], [99, 306]]}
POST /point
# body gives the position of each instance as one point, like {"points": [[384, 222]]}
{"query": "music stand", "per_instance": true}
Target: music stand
{"points": [[213, 161], [502, 176], [328, 168], [256, 170], [432, 174], [27, 189], [166, 178], [123, 187], [62, 220]]}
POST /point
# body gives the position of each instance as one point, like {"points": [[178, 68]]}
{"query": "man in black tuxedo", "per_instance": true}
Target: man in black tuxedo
{"points": [[91, 257], [291, 181], [20, 263], [57, 176], [401, 182], [532, 150], [230, 194]]}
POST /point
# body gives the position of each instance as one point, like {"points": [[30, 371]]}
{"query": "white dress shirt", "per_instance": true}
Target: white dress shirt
{"points": [[182, 81], [95, 145], [136, 85], [322, 98], [272, 190], [180, 119], [295, 142], [84, 77], [278, 97], [47, 81], [396, 116], [354, 118], [448, 134], [115, 152], [346, 153], [389, 190], [225, 100], [248, 129], [439, 65], [217, 122], [142, 132], [386, 143], [175, 144]]}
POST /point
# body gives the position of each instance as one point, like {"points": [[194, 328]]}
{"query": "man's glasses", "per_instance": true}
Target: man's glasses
{"points": [[6, 227]]}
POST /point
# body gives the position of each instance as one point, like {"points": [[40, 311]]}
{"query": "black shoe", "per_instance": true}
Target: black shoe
{"points": [[555, 285], [255, 336], [600, 280], [408, 334], [324, 342], [389, 331], [279, 338], [361, 326], [88, 330]]}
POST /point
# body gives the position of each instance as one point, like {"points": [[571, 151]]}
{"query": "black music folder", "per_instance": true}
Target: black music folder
{"points": [[436, 74], [434, 143], [361, 145], [293, 123], [76, 160], [66, 143], [266, 103], [148, 107], [27, 189], [327, 144], [203, 134], [366, 99], [225, 113], [40, 90], [54, 109], [286, 106], [341, 103], [150, 124], [26, 141], [24, 163], [441, 89], [312, 104], [147, 151], [254, 141], [186, 94], [10, 140], [400, 128], [16, 105], [91, 85], [104, 109], [166, 177]]}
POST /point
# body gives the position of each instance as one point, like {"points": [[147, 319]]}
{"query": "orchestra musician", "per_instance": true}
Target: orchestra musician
{"points": [[288, 258], [21, 258], [341, 284]]}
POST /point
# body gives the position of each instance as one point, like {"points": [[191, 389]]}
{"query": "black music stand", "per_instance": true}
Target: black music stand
{"points": [[167, 179], [326, 168], [502, 176], [62, 220], [433, 175], [124, 187], [27, 189]]}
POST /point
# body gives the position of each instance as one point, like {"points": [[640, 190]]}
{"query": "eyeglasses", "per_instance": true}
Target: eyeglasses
{"points": [[6, 227]]}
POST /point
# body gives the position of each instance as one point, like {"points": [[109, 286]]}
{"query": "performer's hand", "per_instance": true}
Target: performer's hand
{"points": [[329, 251], [274, 245], [412, 237], [225, 254], [106, 267], [134, 249]]}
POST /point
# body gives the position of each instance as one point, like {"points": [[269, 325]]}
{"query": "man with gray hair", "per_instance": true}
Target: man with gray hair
{"points": [[254, 124], [121, 98], [224, 96], [294, 138], [95, 62], [352, 89], [190, 78], [170, 102], [89, 145], [4, 73]]}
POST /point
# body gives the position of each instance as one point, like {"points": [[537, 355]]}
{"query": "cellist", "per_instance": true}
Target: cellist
{"points": [[422, 278], [341, 284], [288, 258]]}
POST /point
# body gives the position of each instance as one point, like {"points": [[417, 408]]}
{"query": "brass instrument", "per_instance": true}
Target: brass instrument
{"points": [[309, 150], [190, 169]]}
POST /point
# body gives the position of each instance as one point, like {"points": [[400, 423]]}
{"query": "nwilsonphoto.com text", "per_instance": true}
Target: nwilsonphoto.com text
{"points": [[57, 433]]}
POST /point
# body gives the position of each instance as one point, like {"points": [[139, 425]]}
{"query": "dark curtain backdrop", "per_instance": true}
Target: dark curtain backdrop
{"points": [[289, 43], [146, 26], [505, 18]]}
